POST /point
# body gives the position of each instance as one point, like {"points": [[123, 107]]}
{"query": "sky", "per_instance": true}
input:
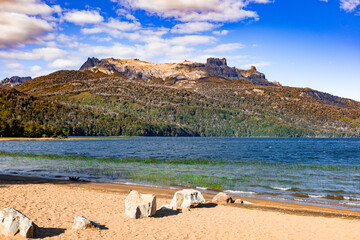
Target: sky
{"points": [[299, 43]]}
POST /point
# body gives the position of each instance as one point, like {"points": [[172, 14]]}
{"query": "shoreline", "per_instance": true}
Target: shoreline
{"points": [[167, 193], [53, 204]]}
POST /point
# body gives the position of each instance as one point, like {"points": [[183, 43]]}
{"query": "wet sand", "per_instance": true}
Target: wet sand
{"points": [[52, 205]]}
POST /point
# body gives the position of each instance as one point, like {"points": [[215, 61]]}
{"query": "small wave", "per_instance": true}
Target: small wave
{"points": [[239, 192], [300, 200], [351, 204], [201, 188], [352, 198], [317, 196], [281, 188]]}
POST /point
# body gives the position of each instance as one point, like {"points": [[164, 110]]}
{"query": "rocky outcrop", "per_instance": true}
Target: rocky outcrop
{"points": [[187, 198], [90, 62], [81, 222], [13, 221], [139, 205], [136, 69], [13, 81], [222, 198]]}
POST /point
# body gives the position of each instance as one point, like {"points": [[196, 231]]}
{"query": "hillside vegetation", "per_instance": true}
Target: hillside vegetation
{"points": [[94, 103]]}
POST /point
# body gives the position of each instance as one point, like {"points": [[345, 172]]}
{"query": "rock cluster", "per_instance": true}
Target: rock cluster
{"points": [[139, 205], [13, 221]]}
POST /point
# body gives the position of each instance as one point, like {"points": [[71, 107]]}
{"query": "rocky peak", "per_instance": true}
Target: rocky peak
{"points": [[13, 81], [216, 61], [90, 62], [147, 71]]}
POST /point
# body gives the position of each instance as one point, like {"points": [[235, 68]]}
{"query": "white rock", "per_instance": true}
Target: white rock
{"points": [[246, 202], [13, 221], [222, 198], [238, 201], [81, 222], [139, 205], [187, 198]]}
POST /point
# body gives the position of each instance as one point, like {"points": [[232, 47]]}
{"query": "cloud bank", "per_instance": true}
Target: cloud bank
{"points": [[24, 21]]}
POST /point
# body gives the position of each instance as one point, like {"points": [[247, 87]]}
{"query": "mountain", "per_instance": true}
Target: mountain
{"points": [[13, 81], [173, 72], [131, 97]]}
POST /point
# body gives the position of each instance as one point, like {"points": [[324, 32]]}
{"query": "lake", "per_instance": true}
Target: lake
{"points": [[314, 171]]}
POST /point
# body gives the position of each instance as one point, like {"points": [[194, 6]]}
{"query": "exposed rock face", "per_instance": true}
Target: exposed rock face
{"points": [[187, 198], [139, 205], [13, 81], [13, 221], [81, 222], [90, 62], [222, 198], [134, 68]]}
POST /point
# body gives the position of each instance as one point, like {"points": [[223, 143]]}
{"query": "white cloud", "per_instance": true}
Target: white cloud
{"points": [[24, 21], [38, 53], [29, 7], [193, 27], [258, 65], [221, 33], [14, 65], [35, 69], [66, 63], [113, 27], [83, 17], [18, 28], [349, 5], [225, 47], [197, 10], [192, 40]]}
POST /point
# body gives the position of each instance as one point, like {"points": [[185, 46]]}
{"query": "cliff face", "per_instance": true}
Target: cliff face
{"points": [[173, 72], [13, 81]]}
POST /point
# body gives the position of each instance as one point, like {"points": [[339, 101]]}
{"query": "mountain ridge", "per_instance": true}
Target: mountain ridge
{"points": [[205, 106], [186, 70]]}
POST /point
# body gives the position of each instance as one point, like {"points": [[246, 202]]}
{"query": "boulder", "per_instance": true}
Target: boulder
{"points": [[187, 198], [139, 205], [13, 221], [81, 222], [222, 198], [239, 201]]}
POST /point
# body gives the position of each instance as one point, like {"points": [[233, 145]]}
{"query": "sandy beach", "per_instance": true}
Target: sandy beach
{"points": [[52, 205]]}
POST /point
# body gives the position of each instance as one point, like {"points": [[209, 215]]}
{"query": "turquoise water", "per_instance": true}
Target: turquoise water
{"points": [[316, 171]]}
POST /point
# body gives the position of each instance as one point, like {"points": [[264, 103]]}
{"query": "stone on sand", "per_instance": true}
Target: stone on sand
{"points": [[13, 221], [239, 201], [139, 205], [81, 222], [222, 198], [187, 198]]}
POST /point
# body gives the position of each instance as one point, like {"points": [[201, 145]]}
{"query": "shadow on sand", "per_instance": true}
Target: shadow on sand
{"points": [[43, 232]]}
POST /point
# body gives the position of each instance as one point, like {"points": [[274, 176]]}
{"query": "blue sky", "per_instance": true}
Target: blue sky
{"points": [[308, 43]]}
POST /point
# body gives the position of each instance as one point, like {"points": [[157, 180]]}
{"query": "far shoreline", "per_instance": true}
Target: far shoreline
{"points": [[70, 138]]}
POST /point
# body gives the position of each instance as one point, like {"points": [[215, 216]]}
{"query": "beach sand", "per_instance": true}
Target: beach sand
{"points": [[53, 204]]}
